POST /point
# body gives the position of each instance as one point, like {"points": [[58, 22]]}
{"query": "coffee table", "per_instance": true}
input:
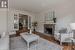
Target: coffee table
{"points": [[29, 38]]}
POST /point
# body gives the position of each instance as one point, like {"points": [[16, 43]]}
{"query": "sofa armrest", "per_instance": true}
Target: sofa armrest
{"points": [[57, 36], [65, 36]]}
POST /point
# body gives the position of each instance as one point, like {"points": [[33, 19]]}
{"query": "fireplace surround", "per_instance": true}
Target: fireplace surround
{"points": [[49, 29]]}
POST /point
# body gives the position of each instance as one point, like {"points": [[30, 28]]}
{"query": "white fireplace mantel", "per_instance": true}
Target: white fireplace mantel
{"points": [[49, 22]]}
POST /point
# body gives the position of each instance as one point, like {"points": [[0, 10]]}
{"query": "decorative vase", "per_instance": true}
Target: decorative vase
{"points": [[30, 31]]}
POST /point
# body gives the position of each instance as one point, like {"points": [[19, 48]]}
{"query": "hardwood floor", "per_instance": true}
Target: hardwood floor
{"points": [[52, 39], [24, 29]]}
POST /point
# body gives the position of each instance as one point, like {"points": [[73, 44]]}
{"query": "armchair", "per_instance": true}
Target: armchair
{"points": [[62, 37]]}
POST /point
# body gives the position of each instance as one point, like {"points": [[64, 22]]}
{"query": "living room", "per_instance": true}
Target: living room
{"points": [[37, 25]]}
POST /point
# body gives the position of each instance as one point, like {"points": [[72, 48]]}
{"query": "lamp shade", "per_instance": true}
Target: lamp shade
{"points": [[72, 25]]}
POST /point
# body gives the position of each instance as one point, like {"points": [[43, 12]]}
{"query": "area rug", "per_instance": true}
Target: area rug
{"points": [[17, 43]]}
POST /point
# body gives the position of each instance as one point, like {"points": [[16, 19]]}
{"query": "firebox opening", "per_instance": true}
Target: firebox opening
{"points": [[49, 30]]}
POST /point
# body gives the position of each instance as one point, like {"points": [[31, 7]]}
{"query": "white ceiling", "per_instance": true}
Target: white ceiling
{"points": [[35, 6]]}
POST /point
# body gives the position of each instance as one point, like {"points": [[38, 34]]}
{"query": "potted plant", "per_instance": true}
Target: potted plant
{"points": [[54, 19], [34, 24]]}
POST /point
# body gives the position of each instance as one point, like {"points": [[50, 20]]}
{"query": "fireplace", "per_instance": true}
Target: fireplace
{"points": [[49, 28]]}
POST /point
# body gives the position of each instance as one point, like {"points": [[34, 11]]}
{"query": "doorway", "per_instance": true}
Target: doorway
{"points": [[23, 21], [23, 24]]}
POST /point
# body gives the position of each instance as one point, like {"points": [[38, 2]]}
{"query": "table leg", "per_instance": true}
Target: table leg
{"points": [[28, 45], [61, 43], [27, 48]]}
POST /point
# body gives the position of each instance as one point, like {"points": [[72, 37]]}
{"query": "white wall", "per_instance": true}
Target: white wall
{"points": [[7, 18], [64, 22], [41, 20], [11, 13], [64, 12], [3, 20]]}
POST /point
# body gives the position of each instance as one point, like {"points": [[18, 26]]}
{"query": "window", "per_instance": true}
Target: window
{"points": [[3, 3]]}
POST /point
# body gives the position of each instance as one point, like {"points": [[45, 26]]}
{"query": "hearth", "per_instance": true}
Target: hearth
{"points": [[49, 28]]}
